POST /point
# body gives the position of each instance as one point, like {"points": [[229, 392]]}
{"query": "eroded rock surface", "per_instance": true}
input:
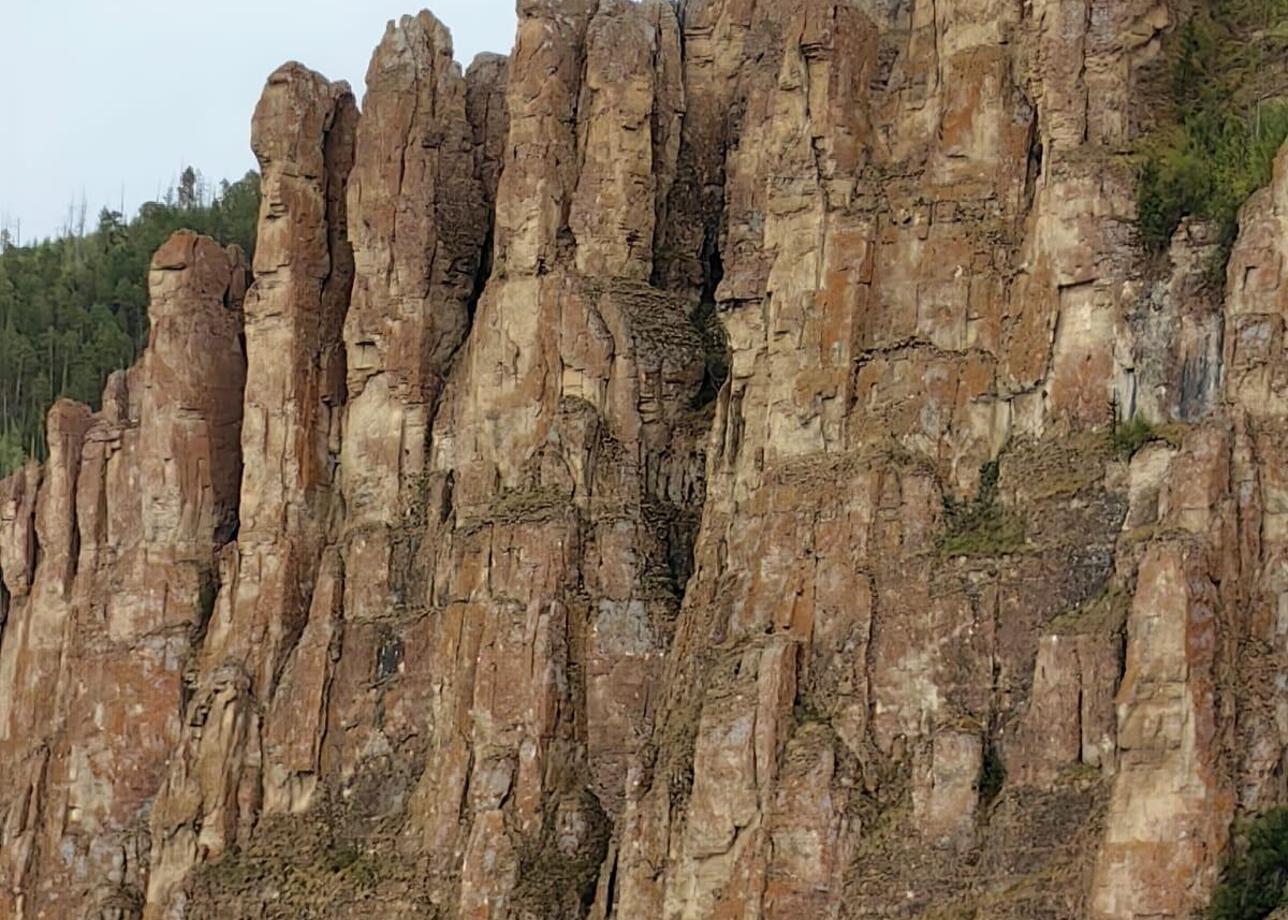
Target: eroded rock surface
{"points": [[670, 472], [109, 569]]}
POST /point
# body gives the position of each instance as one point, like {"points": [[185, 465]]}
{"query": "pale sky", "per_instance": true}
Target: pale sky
{"points": [[104, 97]]}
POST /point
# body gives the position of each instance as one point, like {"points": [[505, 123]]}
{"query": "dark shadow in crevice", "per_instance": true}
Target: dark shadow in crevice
{"points": [[705, 317]]}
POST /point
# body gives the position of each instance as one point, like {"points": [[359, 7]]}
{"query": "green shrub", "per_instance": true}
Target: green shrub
{"points": [[1126, 438], [1216, 145], [981, 527], [1207, 167], [1254, 884]]}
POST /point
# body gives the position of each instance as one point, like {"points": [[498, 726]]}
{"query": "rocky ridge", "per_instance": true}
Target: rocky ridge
{"points": [[679, 471]]}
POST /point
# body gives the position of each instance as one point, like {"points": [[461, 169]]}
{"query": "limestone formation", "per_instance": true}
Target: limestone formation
{"points": [[676, 471]]}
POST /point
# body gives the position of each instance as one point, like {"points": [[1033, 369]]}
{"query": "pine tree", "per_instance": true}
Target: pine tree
{"points": [[74, 309]]}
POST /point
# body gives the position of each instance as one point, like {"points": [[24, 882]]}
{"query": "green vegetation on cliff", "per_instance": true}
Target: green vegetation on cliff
{"points": [[1256, 881], [74, 309], [981, 526], [1227, 116]]}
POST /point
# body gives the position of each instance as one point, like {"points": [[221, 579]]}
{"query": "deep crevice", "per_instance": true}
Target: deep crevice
{"points": [[207, 595], [705, 317], [610, 889], [1033, 165], [481, 274], [5, 601]]}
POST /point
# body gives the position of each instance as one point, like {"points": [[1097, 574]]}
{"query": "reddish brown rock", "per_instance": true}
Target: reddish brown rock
{"points": [[418, 222], [133, 504], [303, 135], [691, 495]]}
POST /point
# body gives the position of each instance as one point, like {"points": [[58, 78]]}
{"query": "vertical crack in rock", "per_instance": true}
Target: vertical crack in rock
{"points": [[485, 104]]}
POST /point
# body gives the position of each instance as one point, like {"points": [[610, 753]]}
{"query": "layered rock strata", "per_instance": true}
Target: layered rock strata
{"points": [[673, 471]]}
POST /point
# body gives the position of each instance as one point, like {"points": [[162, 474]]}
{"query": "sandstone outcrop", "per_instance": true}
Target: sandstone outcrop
{"points": [[670, 472], [109, 568]]}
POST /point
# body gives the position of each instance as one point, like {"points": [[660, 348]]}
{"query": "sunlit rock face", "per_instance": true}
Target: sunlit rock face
{"points": [[670, 472]]}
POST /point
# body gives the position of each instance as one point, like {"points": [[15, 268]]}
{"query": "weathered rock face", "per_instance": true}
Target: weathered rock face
{"points": [[222, 774], [109, 571], [670, 472]]}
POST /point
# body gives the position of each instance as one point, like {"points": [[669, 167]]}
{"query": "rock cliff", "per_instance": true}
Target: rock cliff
{"points": [[730, 459]]}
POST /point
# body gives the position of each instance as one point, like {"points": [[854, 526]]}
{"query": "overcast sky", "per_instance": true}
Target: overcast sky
{"points": [[112, 97]]}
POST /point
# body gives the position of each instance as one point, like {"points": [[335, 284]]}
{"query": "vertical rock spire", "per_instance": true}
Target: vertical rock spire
{"points": [[135, 501], [419, 221], [303, 135]]}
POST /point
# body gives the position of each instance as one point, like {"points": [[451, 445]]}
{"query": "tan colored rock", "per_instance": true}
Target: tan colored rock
{"points": [[1172, 806], [549, 598], [417, 221], [486, 83], [631, 102], [94, 651], [540, 166], [18, 549], [303, 135]]}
